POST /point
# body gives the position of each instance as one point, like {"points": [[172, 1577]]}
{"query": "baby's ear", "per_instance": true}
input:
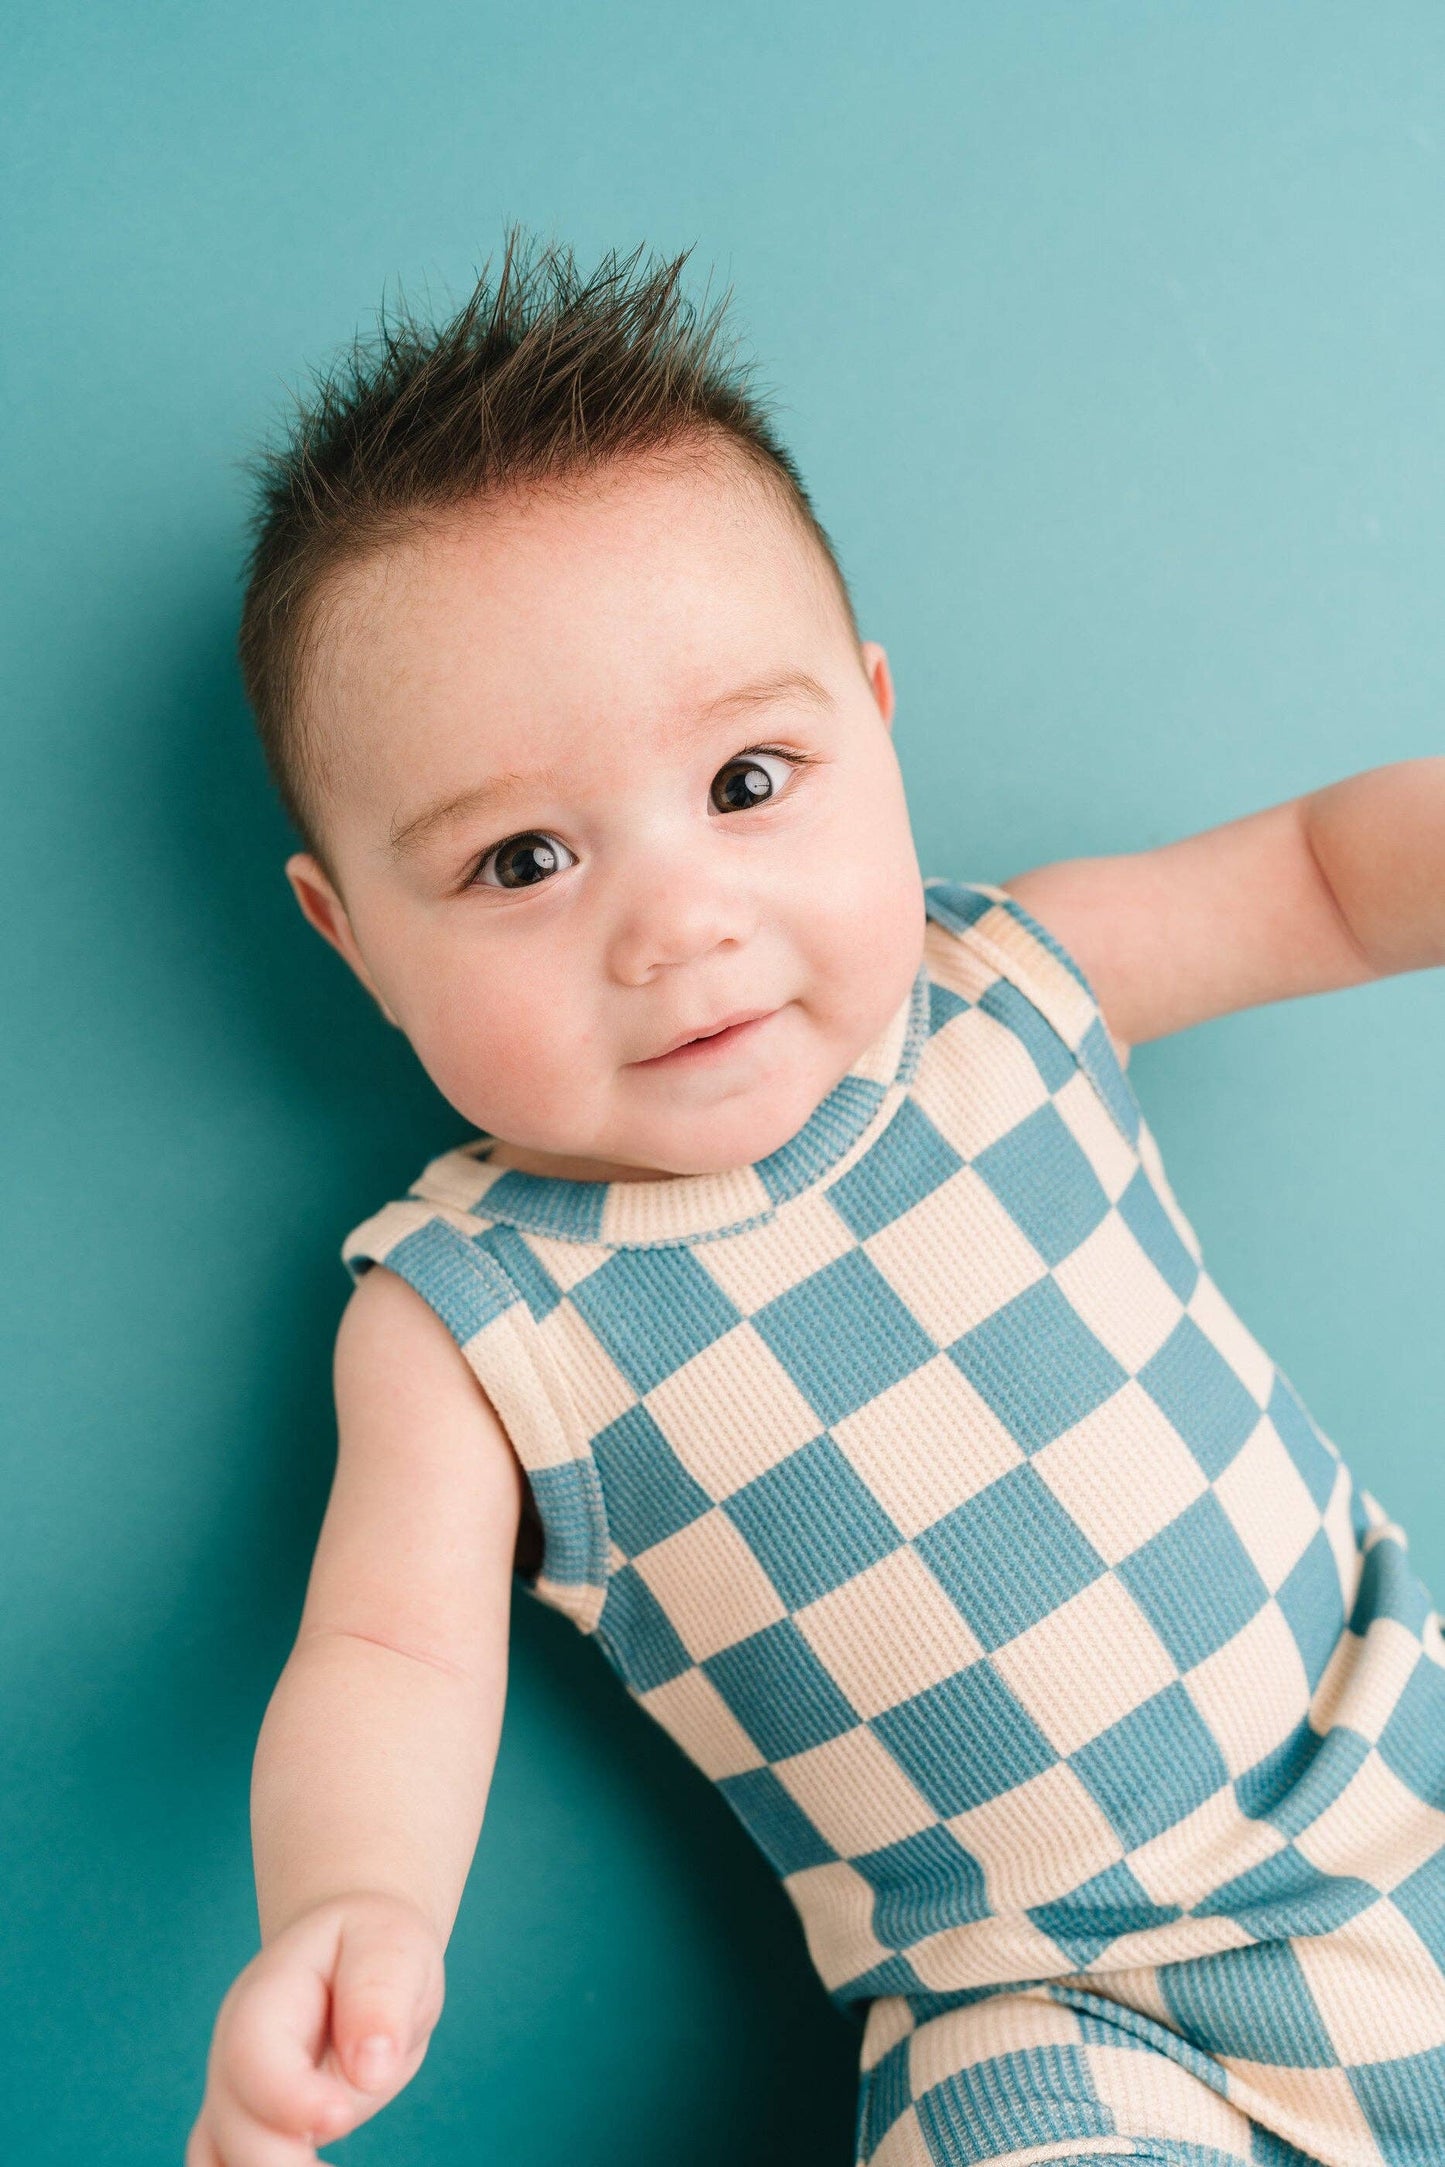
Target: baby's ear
{"points": [[880, 678], [323, 908]]}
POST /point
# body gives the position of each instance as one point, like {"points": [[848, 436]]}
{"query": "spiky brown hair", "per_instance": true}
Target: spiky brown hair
{"points": [[533, 381]]}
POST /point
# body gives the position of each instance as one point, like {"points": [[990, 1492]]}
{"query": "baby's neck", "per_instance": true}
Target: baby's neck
{"points": [[521, 1159]]}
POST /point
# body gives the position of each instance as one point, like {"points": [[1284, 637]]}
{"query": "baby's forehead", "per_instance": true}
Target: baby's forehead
{"points": [[662, 579], [523, 631], [716, 512]]}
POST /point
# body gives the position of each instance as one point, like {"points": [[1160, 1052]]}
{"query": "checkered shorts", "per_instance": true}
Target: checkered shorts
{"points": [[921, 1483]]}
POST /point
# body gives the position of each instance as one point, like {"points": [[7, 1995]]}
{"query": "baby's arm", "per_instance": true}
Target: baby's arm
{"points": [[1332, 889], [377, 1749]]}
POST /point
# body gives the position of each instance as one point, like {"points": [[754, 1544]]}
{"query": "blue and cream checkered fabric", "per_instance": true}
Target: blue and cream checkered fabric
{"points": [[921, 1483]]}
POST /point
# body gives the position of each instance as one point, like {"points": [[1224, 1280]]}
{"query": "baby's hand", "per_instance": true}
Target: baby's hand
{"points": [[287, 2070]]}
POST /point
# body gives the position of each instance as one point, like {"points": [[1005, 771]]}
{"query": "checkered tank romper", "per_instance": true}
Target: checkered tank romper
{"points": [[921, 1483]]}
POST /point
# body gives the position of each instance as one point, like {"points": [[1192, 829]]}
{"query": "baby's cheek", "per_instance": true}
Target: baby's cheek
{"points": [[488, 1052], [874, 946]]}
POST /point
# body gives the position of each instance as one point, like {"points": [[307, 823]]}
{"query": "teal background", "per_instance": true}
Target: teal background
{"points": [[1109, 337]]}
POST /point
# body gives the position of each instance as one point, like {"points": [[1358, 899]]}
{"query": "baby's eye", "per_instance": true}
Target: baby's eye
{"points": [[522, 860], [745, 781]]}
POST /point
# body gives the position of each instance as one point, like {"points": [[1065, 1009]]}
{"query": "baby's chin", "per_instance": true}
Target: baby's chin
{"points": [[723, 1138], [683, 1141]]}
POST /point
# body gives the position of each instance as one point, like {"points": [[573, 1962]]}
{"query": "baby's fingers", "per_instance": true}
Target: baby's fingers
{"points": [[271, 2038], [386, 1997], [227, 2136]]}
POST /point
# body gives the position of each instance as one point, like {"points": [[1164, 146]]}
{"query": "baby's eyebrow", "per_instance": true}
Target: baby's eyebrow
{"points": [[788, 684], [501, 789], [410, 838]]}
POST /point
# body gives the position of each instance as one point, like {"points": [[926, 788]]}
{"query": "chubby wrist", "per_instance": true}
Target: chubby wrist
{"points": [[376, 1905]]}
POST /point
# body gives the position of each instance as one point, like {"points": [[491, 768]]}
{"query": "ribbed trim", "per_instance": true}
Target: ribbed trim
{"points": [[687, 1206]]}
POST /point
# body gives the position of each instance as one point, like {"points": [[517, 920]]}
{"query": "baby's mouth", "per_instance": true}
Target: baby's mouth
{"points": [[708, 1044]]}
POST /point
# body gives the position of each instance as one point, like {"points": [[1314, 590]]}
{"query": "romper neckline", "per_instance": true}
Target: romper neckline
{"points": [[686, 1207]]}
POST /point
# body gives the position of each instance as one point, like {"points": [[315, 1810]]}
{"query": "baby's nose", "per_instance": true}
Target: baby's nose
{"points": [[675, 923]]}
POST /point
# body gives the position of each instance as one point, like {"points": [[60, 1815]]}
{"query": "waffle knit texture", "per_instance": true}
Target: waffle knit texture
{"points": [[921, 1483]]}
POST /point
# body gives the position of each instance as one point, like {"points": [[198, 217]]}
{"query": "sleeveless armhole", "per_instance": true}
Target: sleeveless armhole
{"points": [[998, 929], [1012, 945], [433, 1248]]}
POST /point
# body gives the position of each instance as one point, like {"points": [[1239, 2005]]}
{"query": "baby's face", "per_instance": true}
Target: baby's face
{"points": [[607, 772]]}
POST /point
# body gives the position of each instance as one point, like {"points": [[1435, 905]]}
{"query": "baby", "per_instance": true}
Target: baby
{"points": [[808, 1315]]}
